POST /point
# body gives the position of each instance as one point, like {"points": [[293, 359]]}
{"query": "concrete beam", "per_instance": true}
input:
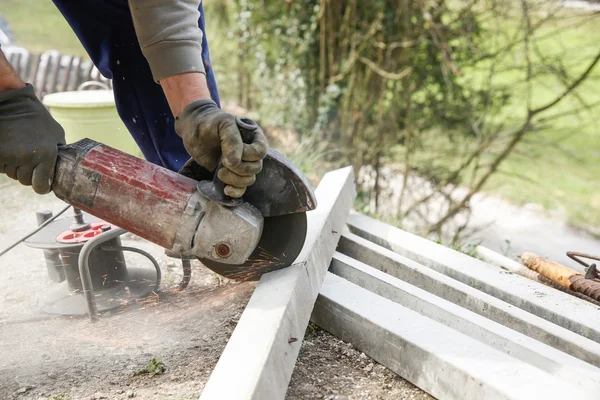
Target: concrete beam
{"points": [[545, 302], [477, 327], [259, 358], [469, 298], [442, 361]]}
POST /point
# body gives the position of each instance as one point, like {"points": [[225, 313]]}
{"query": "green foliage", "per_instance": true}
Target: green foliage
{"points": [[320, 67], [62, 396], [312, 331], [557, 163], [155, 367], [468, 248], [38, 26], [440, 87], [310, 156]]}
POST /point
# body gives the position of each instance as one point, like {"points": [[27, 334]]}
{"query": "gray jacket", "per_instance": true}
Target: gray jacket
{"points": [[169, 35]]}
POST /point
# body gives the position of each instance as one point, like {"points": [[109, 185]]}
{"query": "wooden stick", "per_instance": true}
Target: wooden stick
{"points": [[550, 269]]}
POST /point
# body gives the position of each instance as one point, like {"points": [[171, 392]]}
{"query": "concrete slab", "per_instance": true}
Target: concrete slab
{"points": [[469, 298], [559, 308], [477, 327], [440, 360], [258, 361]]}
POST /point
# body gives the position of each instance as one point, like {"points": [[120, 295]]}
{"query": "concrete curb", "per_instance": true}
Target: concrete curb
{"points": [[440, 360], [471, 299], [560, 308], [477, 327], [259, 358]]}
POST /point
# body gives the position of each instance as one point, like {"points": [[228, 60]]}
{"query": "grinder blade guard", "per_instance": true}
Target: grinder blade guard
{"points": [[68, 243]]}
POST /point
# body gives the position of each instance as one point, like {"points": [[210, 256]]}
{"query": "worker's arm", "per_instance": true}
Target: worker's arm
{"points": [[171, 41], [9, 79], [29, 136]]}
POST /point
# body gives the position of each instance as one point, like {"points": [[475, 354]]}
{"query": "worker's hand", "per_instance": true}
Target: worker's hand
{"points": [[29, 139], [209, 133]]}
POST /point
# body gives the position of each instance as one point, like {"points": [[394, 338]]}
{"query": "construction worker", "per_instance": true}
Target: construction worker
{"points": [[157, 55]]}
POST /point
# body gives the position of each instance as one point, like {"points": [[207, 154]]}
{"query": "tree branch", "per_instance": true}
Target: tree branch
{"points": [[385, 74], [572, 87]]}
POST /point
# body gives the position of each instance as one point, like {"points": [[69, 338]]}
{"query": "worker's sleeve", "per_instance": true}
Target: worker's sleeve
{"points": [[169, 36]]}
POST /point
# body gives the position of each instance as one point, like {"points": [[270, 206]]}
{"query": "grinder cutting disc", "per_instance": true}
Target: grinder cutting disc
{"points": [[281, 242], [282, 194]]}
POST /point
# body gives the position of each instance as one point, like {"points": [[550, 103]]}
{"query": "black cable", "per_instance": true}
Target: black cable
{"points": [[30, 234], [187, 274], [185, 263], [148, 256]]}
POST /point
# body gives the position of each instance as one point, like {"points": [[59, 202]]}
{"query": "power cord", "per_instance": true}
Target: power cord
{"points": [[30, 234]]}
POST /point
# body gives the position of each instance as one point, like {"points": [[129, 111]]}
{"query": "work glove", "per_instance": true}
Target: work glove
{"points": [[210, 134], [29, 139]]}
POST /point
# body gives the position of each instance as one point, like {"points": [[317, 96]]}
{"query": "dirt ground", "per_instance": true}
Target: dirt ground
{"points": [[60, 358]]}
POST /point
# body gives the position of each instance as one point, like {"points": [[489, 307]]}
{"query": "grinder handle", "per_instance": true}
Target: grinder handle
{"points": [[247, 129]]}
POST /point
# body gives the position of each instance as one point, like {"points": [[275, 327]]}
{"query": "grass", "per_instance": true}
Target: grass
{"points": [[154, 367], [62, 396], [559, 165], [38, 26]]}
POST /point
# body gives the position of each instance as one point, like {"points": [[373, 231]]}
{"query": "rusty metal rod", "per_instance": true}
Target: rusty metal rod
{"points": [[519, 269], [589, 287], [576, 256], [536, 276]]}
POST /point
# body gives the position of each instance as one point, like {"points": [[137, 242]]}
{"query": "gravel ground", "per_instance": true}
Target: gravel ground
{"points": [[60, 358]]}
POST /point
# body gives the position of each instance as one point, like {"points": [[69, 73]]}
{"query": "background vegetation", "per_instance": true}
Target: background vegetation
{"points": [[433, 101]]}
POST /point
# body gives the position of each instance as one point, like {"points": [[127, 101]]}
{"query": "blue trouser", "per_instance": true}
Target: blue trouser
{"points": [[106, 31]]}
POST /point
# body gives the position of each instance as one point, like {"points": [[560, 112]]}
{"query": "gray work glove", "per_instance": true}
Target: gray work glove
{"points": [[209, 133], [29, 139]]}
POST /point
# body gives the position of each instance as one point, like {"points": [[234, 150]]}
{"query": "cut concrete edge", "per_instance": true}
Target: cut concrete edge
{"points": [[484, 330], [259, 358], [441, 361], [547, 303], [469, 298], [497, 259]]}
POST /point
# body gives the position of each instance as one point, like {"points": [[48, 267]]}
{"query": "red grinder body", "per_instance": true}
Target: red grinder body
{"points": [[129, 192]]}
